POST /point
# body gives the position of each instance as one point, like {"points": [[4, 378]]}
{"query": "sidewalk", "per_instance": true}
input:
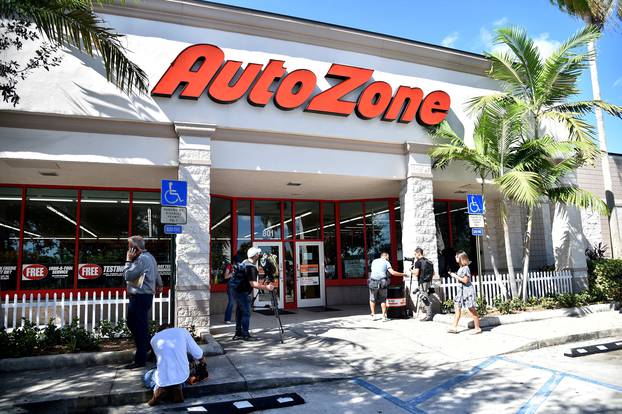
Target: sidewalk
{"points": [[318, 347]]}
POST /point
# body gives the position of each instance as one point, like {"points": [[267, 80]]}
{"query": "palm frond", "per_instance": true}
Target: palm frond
{"points": [[73, 23], [575, 196], [523, 187], [587, 107]]}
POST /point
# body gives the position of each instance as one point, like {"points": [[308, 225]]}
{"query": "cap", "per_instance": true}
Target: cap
{"points": [[252, 252]]}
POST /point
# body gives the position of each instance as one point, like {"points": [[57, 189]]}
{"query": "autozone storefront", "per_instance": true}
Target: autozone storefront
{"points": [[301, 138]]}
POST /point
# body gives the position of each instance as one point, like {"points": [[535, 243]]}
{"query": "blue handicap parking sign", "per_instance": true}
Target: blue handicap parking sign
{"points": [[475, 204], [174, 193], [477, 231], [172, 229]]}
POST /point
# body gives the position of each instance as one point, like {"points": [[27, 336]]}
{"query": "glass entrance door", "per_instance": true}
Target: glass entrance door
{"points": [[310, 274], [273, 248]]}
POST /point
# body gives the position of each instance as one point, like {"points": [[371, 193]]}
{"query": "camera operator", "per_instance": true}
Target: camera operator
{"points": [[245, 280], [423, 270]]}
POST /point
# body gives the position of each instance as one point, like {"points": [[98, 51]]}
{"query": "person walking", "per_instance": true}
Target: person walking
{"points": [[245, 280], [466, 294], [143, 281], [379, 280]]}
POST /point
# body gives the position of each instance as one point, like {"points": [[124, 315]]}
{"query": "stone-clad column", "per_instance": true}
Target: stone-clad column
{"points": [[417, 207], [192, 285]]}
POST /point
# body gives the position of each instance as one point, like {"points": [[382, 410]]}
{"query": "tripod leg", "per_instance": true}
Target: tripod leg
{"points": [[275, 306]]}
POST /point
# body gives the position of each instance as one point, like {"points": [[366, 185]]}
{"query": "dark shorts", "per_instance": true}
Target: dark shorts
{"points": [[378, 295]]}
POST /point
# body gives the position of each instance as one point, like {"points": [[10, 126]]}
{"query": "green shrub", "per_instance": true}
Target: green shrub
{"points": [[122, 331], [106, 329], [605, 278], [50, 335], [549, 303], [5, 343], [153, 328], [25, 339], [503, 306], [517, 305], [482, 306], [76, 338], [566, 300], [533, 301], [447, 306]]}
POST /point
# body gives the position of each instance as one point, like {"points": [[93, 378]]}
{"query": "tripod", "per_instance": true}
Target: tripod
{"points": [[274, 305]]}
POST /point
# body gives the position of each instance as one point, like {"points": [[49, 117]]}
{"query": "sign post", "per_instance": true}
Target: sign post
{"points": [[475, 207]]}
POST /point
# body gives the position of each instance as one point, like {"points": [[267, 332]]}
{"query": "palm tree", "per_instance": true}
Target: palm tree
{"points": [[74, 23], [521, 159], [543, 89], [598, 13]]}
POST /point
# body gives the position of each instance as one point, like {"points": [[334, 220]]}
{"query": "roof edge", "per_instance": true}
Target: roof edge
{"points": [[277, 26]]}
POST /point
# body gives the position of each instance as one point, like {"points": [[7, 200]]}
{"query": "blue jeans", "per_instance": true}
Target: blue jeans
{"points": [[138, 323], [230, 303], [242, 313]]}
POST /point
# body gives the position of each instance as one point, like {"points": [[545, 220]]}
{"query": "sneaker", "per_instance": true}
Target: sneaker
{"points": [[385, 319], [228, 322], [249, 338], [373, 317], [237, 337]]}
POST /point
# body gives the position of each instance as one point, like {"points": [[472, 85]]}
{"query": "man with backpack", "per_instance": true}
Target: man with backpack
{"points": [[423, 270], [243, 281]]}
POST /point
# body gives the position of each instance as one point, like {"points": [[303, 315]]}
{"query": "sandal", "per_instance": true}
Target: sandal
{"points": [[476, 332], [452, 331]]}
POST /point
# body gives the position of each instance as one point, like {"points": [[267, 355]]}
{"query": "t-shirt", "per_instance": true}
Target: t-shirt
{"points": [[379, 269], [420, 275], [250, 274], [171, 347]]}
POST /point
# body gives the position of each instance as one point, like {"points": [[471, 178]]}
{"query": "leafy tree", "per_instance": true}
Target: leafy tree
{"points": [[61, 23], [599, 13]]}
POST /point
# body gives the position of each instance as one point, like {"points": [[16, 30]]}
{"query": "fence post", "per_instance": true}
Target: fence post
{"points": [[109, 303], [124, 298], [116, 307], [38, 306], [23, 314]]}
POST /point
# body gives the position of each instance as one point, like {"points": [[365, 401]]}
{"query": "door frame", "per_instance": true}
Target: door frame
{"points": [[279, 244], [321, 301]]}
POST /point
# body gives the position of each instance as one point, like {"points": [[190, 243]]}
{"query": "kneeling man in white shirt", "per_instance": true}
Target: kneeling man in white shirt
{"points": [[172, 347]]}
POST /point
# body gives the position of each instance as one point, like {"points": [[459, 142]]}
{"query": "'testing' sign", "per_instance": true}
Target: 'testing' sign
{"points": [[203, 66]]}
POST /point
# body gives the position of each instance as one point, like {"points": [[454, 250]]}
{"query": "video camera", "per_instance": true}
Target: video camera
{"points": [[268, 263]]}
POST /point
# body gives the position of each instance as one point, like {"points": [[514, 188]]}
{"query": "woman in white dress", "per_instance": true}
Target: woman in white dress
{"points": [[466, 293]]}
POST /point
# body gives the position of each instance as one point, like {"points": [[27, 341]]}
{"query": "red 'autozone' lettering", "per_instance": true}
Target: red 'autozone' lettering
{"points": [[202, 66], [330, 101]]}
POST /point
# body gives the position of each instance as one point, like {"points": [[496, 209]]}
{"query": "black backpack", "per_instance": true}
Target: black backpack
{"points": [[427, 270], [239, 274]]}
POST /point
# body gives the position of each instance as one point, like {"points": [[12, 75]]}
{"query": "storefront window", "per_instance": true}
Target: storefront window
{"points": [[288, 223], [146, 223], [241, 249], [288, 276], [104, 221], [49, 239], [461, 232], [307, 220], [330, 241], [352, 239], [220, 238], [10, 208], [398, 236], [267, 220], [244, 219], [377, 230]]}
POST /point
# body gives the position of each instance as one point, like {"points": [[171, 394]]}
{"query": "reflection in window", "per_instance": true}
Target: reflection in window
{"points": [[352, 239], [146, 223], [104, 220], [377, 230], [330, 241], [307, 220], [244, 219], [267, 220], [288, 264], [10, 207], [49, 239], [287, 220], [220, 238]]}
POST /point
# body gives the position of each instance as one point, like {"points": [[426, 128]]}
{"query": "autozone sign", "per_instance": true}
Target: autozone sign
{"points": [[202, 66]]}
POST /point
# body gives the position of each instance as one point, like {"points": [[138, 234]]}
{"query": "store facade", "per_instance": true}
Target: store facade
{"points": [[303, 139]]}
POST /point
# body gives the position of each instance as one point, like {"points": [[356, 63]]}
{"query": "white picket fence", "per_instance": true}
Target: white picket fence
{"points": [[539, 284], [89, 308]]}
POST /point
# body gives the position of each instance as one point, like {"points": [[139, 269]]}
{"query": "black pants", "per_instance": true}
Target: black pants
{"points": [[138, 323]]}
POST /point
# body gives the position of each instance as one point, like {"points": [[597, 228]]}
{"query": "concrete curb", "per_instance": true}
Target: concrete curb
{"points": [[91, 402], [487, 321], [87, 359], [561, 340]]}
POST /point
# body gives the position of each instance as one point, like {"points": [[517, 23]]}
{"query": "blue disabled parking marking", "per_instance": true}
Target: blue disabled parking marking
{"points": [[531, 406], [541, 395]]}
